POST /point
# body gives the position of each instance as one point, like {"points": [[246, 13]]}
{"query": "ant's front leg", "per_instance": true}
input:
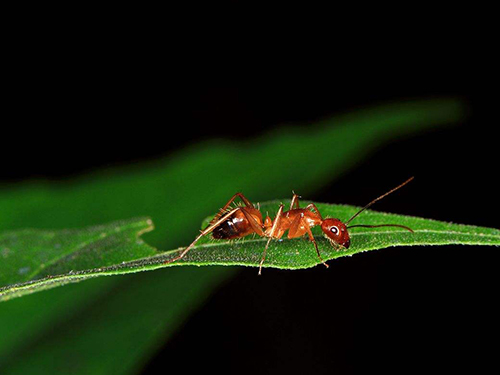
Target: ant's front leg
{"points": [[311, 237], [298, 228]]}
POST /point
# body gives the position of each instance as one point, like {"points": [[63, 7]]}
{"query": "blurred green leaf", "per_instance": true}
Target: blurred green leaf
{"points": [[191, 183], [196, 179], [116, 329]]}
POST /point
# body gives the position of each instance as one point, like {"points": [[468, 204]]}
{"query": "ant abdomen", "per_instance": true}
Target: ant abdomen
{"points": [[235, 226]]}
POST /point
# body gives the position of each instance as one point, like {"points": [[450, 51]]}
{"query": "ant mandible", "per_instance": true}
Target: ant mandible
{"points": [[237, 222]]}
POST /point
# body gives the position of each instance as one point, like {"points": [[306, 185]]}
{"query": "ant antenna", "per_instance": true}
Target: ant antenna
{"points": [[381, 225], [376, 200]]}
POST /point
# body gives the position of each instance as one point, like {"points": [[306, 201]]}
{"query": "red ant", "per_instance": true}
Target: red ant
{"points": [[237, 222]]}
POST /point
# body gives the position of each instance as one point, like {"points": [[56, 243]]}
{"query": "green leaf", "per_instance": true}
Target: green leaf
{"points": [[32, 254], [97, 246], [300, 253], [191, 183]]}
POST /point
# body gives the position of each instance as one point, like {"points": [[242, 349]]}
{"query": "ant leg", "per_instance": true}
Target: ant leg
{"points": [[296, 228], [312, 206], [271, 235], [204, 232], [256, 226], [224, 209], [311, 237], [295, 201], [242, 197]]}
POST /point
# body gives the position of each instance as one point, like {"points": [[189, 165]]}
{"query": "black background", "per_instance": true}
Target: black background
{"points": [[396, 309]]}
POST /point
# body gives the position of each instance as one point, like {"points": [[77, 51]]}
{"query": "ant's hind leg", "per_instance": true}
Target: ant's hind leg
{"points": [[242, 197], [223, 210], [209, 229], [256, 226]]}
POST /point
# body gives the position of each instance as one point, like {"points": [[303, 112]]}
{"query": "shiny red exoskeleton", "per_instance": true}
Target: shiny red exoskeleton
{"points": [[231, 223]]}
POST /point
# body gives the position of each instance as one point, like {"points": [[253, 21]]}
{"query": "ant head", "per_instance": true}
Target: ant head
{"points": [[336, 231]]}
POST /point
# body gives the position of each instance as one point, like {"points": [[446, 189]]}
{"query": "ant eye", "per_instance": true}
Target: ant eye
{"points": [[334, 230]]}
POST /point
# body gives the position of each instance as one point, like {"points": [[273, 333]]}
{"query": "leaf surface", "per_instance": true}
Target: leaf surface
{"points": [[89, 252], [31, 254]]}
